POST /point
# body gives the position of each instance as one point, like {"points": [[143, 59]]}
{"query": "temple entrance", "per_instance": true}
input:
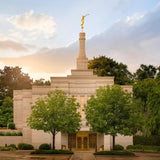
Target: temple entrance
{"points": [[82, 141]]}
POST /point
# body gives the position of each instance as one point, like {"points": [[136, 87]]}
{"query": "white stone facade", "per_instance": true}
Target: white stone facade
{"points": [[82, 84]]}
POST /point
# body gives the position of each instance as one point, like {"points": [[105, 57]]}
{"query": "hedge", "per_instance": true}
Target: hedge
{"points": [[25, 146], [11, 134], [52, 152], [141, 147], [143, 140], [134, 146], [114, 153]]}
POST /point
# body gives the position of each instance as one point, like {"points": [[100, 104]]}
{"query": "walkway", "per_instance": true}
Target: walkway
{"points": [[83, 156]]}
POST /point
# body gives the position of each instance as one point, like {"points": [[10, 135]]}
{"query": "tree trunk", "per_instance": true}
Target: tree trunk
{"points": [[113, 142], [54, 133]]}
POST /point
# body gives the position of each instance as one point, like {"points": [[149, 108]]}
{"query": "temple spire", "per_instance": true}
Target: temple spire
{"points": [[82, 60]]}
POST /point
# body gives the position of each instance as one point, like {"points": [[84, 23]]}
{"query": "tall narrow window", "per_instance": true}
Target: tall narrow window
{"points": [[82, 102]]}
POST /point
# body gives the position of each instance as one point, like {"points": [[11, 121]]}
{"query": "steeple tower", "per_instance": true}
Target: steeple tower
{"points": [[82, 60]]}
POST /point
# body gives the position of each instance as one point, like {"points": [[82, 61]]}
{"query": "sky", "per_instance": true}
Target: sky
{"points": [[41, 36]]}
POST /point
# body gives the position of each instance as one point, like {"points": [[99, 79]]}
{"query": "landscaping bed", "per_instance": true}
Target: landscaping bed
{"points": [[124, 153], [143, 148], [51, 152]]}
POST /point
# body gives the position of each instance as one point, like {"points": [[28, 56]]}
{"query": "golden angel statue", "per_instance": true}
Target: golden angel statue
{"points": [[82, 21]]}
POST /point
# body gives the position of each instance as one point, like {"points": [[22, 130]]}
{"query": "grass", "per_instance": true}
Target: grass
{"points": [[51, 152], [124, 153]]}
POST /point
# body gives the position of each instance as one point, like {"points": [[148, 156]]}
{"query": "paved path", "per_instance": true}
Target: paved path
{"points": [[83, 156], [139, 156], [25, 155]]}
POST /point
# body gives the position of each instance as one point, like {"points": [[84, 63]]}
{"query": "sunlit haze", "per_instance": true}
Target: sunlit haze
{"points": [[41, 36]]}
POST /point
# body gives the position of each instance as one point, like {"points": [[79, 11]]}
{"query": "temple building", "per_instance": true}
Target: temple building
{"points": [[82, 83]]}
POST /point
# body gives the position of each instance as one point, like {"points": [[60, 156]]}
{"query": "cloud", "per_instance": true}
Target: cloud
{"points": [[8, 44], [133, 19], [133, 41], [11, 48], [120, 4], [35, 23]]}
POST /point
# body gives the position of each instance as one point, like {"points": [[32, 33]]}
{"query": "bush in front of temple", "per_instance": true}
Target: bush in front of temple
{"points": [[118, 147], [124, 153], [11, 125], [52, 152], [12, 146], [25, 146], [44, 146]]}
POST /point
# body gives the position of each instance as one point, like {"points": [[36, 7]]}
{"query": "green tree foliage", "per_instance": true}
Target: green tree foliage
{"points": [[112, 112], [54, 113], [147, 95], [141, 89], [103, 66], [153, 118], [145, 71], [41, 82], [6, 112], [12, 78], [158, 74]]}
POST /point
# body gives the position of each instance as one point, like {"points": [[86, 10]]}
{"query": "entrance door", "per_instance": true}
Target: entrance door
{"points": [[85, 142], [82, 143], [79, 142]]}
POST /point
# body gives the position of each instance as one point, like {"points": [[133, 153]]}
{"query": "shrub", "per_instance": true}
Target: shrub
{"points": [[44, 146], [114, 153], [158, 149], [143, 140], [134, 146], [8, 134], [24, 146], [138, 146], [19, 134], [118, 147], [52, 152], [7, 149], [130, 147], [12, 146], [13, 134], [2, 134], [11, 125]]}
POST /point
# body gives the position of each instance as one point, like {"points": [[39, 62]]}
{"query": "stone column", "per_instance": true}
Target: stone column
{"points": [[58, 141], [82, 60], [107, 142]]}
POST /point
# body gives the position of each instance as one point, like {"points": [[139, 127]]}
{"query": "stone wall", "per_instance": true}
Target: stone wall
{"points": [[124, 140], [10, 140]]}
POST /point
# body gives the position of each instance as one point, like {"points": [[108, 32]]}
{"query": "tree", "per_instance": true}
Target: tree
{"points": [[158, 74], [153, 117], [55, 113], [147, 94], [141, 89], [12, 78], [41, 82], [111, 112], [6, 112], [103, 66], [145, 72]]}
